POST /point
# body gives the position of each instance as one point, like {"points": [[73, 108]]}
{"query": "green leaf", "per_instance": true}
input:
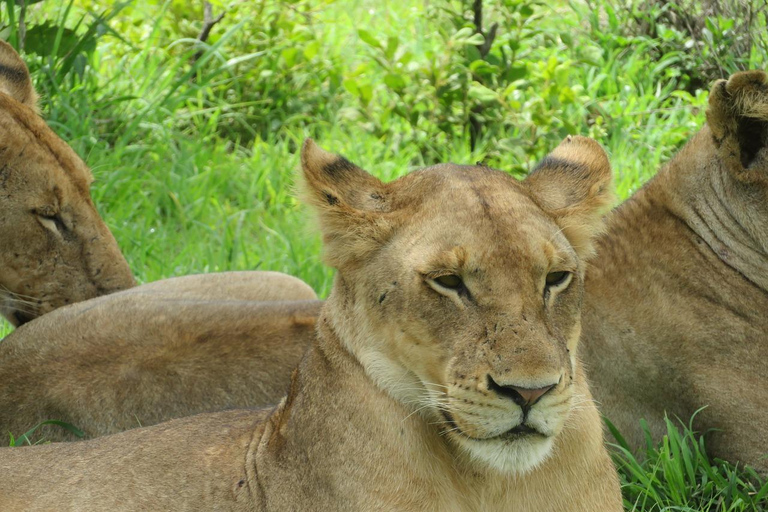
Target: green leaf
{"points": [[526, 11], [368, 38], [394, 81], [366, 92], [516, 73], [41, 38], [66, 426], [482, 93], [474, 40], [311, 49], [350, 84], [289, 56], [463, 33], [392, 43]]}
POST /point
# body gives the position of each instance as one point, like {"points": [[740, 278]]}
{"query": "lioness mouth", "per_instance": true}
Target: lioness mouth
{"points": [[522, 430], [518, 432]]}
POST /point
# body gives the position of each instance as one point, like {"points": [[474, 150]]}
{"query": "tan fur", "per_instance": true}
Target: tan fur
{"points": [[54, 247], [392, 407], [676, 314], [253, 285]]}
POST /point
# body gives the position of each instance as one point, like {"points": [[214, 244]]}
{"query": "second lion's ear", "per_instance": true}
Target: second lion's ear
{"points": [[349, 202], [574, 185], [14, 77], [738, 119]]}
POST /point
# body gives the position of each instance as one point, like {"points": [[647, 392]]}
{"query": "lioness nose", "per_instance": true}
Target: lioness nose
{"points": [[524, 397]]}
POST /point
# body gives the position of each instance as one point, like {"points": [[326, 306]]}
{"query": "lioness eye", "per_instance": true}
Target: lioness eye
{"points": [[557, 278], [451, 281], [53, 222]]}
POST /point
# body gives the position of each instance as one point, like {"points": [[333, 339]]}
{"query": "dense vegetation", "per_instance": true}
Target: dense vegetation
{"points": [[193, 143]]}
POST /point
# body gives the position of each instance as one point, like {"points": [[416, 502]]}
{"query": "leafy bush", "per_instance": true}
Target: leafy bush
{"points": [[698, 41]]}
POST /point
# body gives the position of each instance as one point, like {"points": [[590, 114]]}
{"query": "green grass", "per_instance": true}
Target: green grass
{"points": [[195, 164], [677, 475]]}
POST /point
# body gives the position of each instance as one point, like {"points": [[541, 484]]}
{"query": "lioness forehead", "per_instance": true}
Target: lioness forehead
{"points": [[486, 212], [464, 189], [24, 133]]}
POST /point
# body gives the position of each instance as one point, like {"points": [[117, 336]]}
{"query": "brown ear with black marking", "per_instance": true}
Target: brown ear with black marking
{"points": [[348, 201], [574, 185], [738, 119], [14, 77]]}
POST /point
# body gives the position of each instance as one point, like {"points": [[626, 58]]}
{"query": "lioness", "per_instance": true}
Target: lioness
{"points": [[54, 247], [676, 312], [443, 376]]}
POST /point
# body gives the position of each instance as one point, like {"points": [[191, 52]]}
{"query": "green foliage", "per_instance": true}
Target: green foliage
{"points": [[677, 475], [697, 42]]}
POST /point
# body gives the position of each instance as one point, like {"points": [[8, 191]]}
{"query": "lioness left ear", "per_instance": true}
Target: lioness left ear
{"points": [[349, 203], [14, 77], [574, 185]]}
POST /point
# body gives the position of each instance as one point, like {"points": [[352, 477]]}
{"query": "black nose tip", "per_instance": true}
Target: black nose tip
{"points": [[524, 397]]}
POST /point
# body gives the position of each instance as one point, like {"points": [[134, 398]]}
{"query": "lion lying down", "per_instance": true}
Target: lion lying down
{"points": [[54, 247], [676, 313], [443, 375]]}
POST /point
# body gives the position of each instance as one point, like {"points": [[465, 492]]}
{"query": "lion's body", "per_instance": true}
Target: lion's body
{"points": [[676, 314], [256, 285], [416, 394], [143, 356]]}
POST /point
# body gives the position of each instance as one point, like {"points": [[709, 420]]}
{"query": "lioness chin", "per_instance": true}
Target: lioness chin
{"points": [[443, 375], [676, 311]]}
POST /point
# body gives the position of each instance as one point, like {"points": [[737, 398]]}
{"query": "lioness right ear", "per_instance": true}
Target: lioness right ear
{"points": [[14, 77], [349, 203], [574, 185]]}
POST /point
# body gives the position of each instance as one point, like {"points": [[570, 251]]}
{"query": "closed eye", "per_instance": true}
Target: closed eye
{"points": [[53, 223]]}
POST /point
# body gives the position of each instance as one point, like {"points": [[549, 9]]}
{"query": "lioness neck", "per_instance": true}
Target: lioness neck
{"points": [[395, 459], [724, 212]]}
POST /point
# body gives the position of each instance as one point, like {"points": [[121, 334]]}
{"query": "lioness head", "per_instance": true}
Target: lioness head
{"points": [[55, 247], [459, 289]]}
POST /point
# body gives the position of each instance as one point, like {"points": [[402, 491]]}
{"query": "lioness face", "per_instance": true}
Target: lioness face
{"points": [[55, 247], [487, 295], [475, 311]]}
